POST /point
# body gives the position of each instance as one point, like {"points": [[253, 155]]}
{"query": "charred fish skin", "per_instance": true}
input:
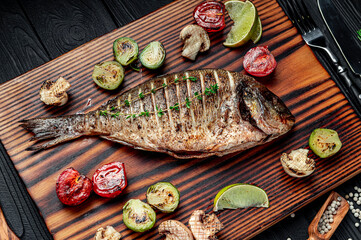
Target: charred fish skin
{"points": [[240, 114], [267, 111]]}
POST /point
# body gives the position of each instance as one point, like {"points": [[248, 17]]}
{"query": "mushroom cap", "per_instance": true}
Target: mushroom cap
{"points": [[175, 230], [109, 233], [204, 226], [297, 164], [195, 40], [54, 93]]}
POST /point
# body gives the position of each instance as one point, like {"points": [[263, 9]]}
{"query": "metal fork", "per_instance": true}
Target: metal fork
{"points": [[312, 35]]}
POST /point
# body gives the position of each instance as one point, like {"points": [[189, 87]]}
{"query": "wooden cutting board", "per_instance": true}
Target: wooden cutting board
{"points": [[299, 80]]}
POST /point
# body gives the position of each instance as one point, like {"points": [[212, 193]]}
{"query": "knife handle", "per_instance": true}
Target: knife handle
{"points": [[355, 90], [342, 71], [344, 74]]}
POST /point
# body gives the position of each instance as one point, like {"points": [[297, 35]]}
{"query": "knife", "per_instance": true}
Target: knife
{"points": [[346, 35]]}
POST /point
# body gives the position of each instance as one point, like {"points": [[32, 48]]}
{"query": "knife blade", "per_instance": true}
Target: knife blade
{"points": [[347, 40]]}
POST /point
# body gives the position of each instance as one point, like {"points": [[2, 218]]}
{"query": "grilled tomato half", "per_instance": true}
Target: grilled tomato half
{"points": [[259, 62], [73, 188], [110, 180], [210, 15]]}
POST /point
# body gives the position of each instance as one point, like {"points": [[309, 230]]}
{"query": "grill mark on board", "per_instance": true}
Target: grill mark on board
{"points": [[93, 51], [239, 217], [196, 193], [291, 107], [35, 107]]}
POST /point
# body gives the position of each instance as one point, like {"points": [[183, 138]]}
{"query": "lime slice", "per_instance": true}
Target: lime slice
{"points": [[240, 195], [256, 36], [244, 24]]}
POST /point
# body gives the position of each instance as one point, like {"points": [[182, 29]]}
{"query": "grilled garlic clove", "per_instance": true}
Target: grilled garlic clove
{"points": [[54, 93], [109, 233], [297, 164], [174, 230], [204, 226]]}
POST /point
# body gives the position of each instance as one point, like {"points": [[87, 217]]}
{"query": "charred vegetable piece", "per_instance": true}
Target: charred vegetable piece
{"points": [[163, 196], [204, 226], [153, 55], [110, 180], [108, 75], [297, 164], [195, 40], [210, 15], [138, 216], [109, 233], [173, 229], [73, 188], [324, 142], [259, 62], [54, 93], [125, 50]]}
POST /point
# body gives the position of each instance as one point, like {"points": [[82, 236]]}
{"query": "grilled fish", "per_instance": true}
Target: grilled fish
{"points": [[191, 114]]}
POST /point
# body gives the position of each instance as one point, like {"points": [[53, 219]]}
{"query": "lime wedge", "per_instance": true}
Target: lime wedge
{"points": [[244, 23], [256, 36], [240, 195], [234, 8]]}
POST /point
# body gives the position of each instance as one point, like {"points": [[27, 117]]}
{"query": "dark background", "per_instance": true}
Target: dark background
{"points": [[35, 32]]}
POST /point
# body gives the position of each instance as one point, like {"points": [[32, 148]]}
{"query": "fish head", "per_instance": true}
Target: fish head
{"points": [[264, 110]]}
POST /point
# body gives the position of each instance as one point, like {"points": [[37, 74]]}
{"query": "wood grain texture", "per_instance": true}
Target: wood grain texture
{"points": [[132, 10], [5, 231], [21, 213], [20, 47], [299, 80], [73, 21]]}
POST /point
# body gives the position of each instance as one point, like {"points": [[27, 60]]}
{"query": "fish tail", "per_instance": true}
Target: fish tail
{"points": [[52, 131]]}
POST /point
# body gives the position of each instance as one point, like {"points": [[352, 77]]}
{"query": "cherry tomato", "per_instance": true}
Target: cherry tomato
{"points": [[259, 61], [110, 180], [73, 188], [210, 15]]}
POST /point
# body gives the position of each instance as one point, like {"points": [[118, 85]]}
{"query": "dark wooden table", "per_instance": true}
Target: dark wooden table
{"points": [[35, 32]]}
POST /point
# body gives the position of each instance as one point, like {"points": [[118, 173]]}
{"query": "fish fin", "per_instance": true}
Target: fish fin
{"points": [[56, 130], [48, 144]]}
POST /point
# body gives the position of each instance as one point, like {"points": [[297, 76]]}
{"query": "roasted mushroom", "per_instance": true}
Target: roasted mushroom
{"points": [[174, 230], [204, 226], [195, 40], [297, 164], [109, 233], [54, 93]]}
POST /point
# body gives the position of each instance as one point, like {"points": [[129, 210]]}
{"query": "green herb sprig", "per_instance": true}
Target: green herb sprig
{"points": [[212, 89]]}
